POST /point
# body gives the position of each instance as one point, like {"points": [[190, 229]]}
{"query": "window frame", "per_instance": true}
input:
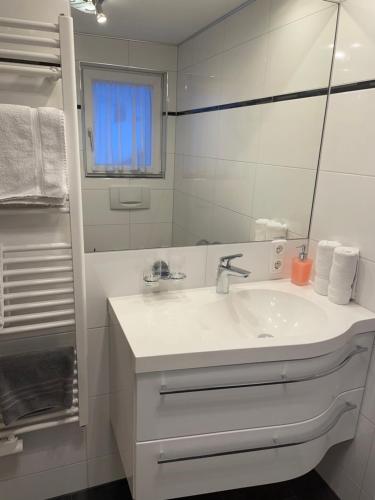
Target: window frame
{"points": [[162, 119]]}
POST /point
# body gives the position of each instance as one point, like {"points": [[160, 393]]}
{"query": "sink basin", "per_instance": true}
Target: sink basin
{"points": [[255, 322], [262, 313]]}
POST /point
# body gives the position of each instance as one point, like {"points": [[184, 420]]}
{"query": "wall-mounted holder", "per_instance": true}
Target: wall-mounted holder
{"points": [[129, 198], [160, 271]]}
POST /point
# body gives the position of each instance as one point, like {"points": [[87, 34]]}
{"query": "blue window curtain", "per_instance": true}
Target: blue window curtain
{"points": [[122, 122]]}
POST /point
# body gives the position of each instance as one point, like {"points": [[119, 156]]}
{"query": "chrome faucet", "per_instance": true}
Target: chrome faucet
{"points": [[225, 270]]}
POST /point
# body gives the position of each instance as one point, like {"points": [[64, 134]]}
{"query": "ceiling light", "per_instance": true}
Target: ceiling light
{"points": [[101, 17]]}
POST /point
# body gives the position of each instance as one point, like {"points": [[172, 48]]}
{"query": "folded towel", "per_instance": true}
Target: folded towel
{"points": [[35, 382], [276, 230], [32, 156], [261, 229]]}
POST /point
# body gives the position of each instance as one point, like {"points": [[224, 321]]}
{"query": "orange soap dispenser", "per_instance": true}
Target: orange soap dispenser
{"points": [[301, 268]]}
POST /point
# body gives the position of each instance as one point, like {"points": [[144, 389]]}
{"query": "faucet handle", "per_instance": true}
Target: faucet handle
{"points": [[227, 259]]}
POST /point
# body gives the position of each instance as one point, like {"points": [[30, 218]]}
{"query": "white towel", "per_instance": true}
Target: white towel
{"points": [[261, 229], [323, 264], [276, 230], [32, 156], [342, 274]]}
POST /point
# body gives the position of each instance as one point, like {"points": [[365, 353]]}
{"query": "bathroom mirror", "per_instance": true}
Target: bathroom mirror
{"points": [[209, 131]]}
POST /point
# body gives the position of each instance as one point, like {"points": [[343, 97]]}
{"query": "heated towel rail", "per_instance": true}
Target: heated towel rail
{"points": [[43, 284]]}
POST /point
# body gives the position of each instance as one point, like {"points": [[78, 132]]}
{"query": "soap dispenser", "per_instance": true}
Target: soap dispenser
{"points": [[301, 268]]}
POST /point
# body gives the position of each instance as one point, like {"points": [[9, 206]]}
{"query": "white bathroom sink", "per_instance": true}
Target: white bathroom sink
{"points": [[265, 321], [260, 313]]}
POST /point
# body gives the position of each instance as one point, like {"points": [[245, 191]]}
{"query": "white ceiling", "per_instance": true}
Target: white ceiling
{"points": [[166, 21]]}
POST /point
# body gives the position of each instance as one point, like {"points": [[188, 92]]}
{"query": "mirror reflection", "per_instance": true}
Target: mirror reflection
{"points": [[206, 133]]}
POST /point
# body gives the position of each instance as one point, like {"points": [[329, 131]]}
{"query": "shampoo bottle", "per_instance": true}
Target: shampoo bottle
{"points": [[301, 268]]}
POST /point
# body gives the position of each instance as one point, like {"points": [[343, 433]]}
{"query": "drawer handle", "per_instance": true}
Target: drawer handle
{"points": [[344, 409], [283, 380]]}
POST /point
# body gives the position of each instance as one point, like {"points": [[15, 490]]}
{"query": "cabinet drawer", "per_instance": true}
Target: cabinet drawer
{"points": [[179, 467], [200, 401]]}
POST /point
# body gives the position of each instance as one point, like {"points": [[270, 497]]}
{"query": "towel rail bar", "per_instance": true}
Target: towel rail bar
{"points": [[48, 281], [54, 73], [21, 318], [37, 327], [38, 427], [37, 258], [37, 293], [29, 40], [40, 418], [38, 305], [28, 25], [26, 55], [38, 270], [31, 248]]}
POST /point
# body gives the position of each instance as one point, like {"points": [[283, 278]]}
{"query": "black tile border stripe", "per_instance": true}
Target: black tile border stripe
{"points": [[368, 84], [338, 89]]}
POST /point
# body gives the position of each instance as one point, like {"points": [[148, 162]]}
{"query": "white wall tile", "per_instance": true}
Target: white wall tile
{"points": [[105, 238], [345, 211], [239, 134], [234, 186], [161, 207], [97, 209], [365, 289], [355, 57], [159, 57], [286, 11], [295, 141], [101, 50], [201, 84], [185, 54], [304, 65], [284, 194], [44, 450], [100, 441], [46, 484], [208, 43], [104, 470], [152, 235], [196, 176], [228, 226], [98, 361], [348, 142], [249, 22], [243, 71]]}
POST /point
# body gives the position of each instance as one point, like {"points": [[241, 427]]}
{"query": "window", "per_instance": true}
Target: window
{"points": [[123, 122]]}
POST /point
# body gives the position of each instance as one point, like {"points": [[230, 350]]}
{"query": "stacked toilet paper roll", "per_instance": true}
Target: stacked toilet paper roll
{"points": [[342, 274], [323, 264]]}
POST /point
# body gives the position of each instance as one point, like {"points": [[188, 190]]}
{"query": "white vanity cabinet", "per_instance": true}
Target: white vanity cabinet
{"points": [[187, 431]]}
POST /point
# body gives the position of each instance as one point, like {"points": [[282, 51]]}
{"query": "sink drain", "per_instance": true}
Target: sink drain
{"points": [[265, 336]]}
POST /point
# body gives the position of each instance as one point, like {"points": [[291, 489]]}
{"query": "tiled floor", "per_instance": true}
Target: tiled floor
{"points": [[308, 487]]}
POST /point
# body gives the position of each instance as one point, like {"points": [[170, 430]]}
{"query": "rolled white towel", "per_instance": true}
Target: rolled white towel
{"points": [[276, 230], [323, 264], [261, 229], [340, 297], [321, 285], [342, 275]]}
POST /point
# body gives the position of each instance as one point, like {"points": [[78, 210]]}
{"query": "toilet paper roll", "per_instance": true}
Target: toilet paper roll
{"points": [[321, 285]]}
